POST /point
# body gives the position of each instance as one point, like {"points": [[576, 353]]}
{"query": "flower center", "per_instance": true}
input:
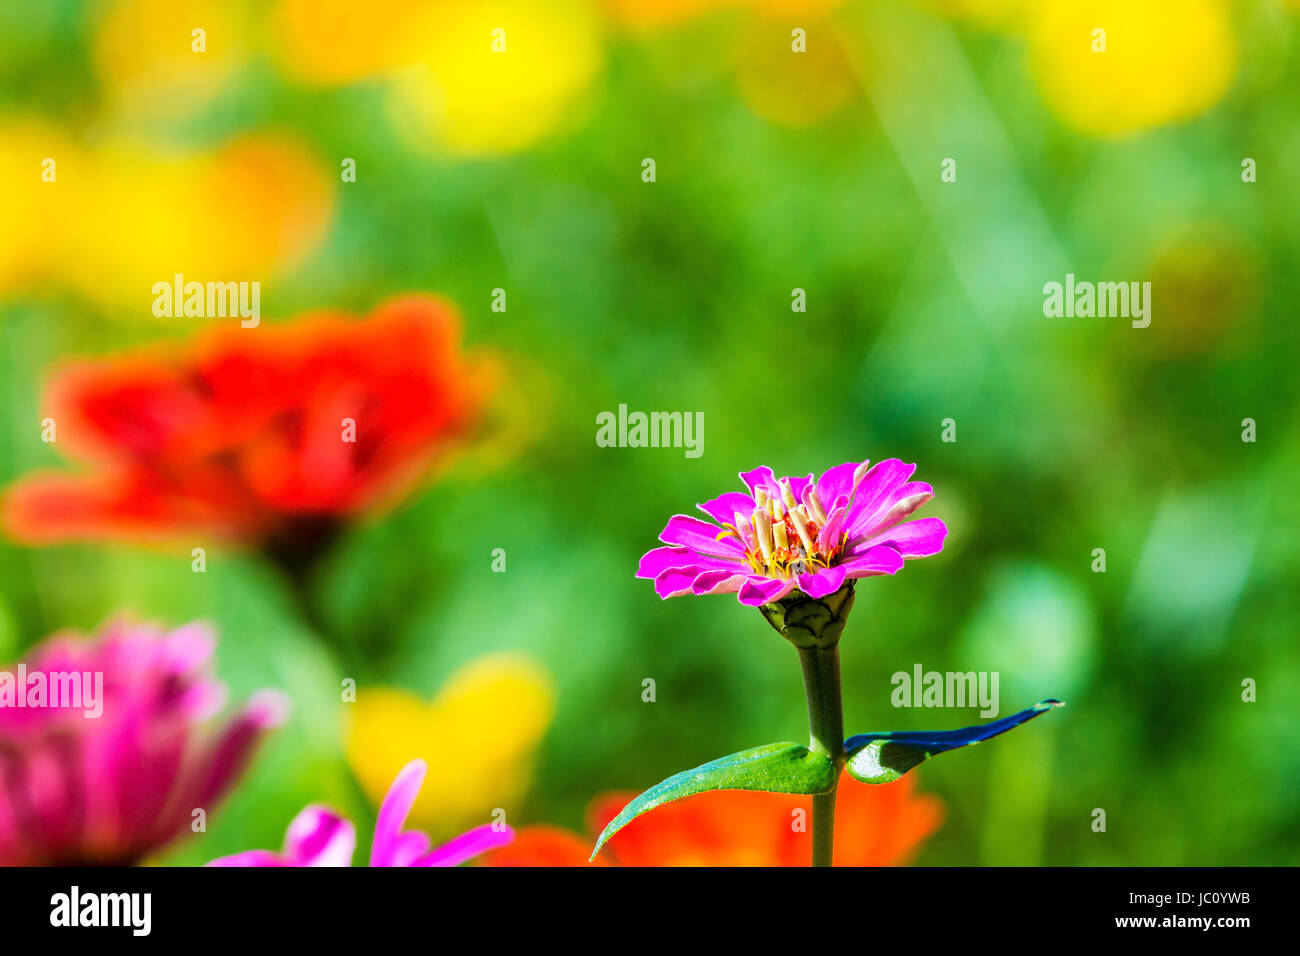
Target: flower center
{"points": [[785, 537]]}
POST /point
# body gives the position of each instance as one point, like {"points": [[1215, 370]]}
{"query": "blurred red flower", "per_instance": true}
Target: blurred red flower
{"points": [[880, 825], [268, 435]]}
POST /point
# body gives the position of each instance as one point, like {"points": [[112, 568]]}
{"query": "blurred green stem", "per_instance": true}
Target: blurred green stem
{"points": [[821, 683]]}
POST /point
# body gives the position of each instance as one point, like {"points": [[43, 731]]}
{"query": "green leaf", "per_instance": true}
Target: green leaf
{"points": [[884, 757], [776, 768]]}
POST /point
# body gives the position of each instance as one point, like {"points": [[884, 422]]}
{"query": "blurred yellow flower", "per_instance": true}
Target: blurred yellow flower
{"points": [[480, 78], [496, 76], [478, 736], [151, 61], [1164, 61], [249, 209], [122, 216], [39, 166]]}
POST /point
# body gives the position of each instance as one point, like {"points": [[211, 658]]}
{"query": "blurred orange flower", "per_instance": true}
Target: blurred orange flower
{"points": [[881, 825], [652, 14], [268, 435], [337, 42]]}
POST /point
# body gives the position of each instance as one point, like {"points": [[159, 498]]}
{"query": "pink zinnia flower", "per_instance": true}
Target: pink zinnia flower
{"points": [[797, 533], [78, 789], [320, 837]]}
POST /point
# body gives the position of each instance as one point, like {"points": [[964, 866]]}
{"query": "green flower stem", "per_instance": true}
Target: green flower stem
{"points": [[821, 682]]}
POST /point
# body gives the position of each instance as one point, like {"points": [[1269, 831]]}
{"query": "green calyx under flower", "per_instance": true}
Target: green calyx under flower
{"points": [[811, 622], [784, 537]]}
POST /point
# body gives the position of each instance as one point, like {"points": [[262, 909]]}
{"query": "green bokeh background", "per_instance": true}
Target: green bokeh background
{"points": [[924, 303]]}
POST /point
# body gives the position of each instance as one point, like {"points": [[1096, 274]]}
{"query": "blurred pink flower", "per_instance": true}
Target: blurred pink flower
{"points": [[81, 789], [320, 837]]}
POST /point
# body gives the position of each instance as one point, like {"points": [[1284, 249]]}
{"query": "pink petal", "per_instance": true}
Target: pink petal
{"points": [[188, 649], [761, 477], [723, 509], [829, 536], [762, 590], [320, 837], [700, 536], [880, 560], [898, 507], [837, 481], [468, 845], [914, 539], [226, 758], [874, 492], [718, 582], [391, 846], [678, 581], [251, 858], [823, 582], [657, 561]]}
